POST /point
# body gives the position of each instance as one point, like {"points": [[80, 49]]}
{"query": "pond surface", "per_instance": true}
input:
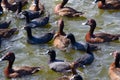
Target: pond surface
{"points": [[27, 54]]}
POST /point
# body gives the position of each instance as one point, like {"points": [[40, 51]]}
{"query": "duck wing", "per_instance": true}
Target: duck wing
{"points": [[60, 66], [67, 11]]}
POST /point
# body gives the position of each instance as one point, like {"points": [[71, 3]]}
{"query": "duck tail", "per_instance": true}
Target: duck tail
{"points": [[79, 14], [36, 69]]}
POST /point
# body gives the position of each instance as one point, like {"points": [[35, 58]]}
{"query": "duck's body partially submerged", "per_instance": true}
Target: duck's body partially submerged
{"points": [[4, 24], [59, 65], [87, 58], [37, 22], [66, 11], [108, 4], [80, 45], [60, 40], [98, 37], [6, 33], [12, 6], [11, 72], [41, 40]]}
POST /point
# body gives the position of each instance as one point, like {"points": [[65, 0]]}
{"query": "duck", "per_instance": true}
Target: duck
{"points": [[4, 24], [37, 6], [73, 76], [80, 45], [90, 37], [14, 72], [12, 6], [45, 38], [14, 1], [58, 65], [1, 9], [60, 41], [108, 4], [32, 14], [114, 68], [37, 22], [86, 59], [7, 33], [66, 11]]}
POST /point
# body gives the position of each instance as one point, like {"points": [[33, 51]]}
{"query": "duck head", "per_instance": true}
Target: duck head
{"points": [[52, 54], [8, 56], [91, 23], [71, 37], [103, 1]]}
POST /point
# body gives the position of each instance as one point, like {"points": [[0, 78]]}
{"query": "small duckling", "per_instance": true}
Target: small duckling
{"points": [[37, 22], [114, 69], [60, 40], [98, 37], [4, 24], [66, 11], [86, 59], [59, 65], [80, 45], [41, 40], [15, 72]]}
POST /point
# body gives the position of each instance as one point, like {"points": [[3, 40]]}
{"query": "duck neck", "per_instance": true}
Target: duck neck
{"points": [[74, 71], [52, 59], [117, 65], [63, 3], [10, 65], [103, 2], [60, 31], [36, 2], [19, 8], [29, 33], [27, 18], [92, 27], [73, 40]]}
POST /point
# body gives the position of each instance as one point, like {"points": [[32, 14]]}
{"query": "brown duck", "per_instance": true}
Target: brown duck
{"points": [[6, 33], [11, 72], [66, 11], [12, 6], [98, 37], [60, 39], [108, 4]]}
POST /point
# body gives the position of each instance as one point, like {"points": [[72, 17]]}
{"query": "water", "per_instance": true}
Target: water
{"points": [[26, 54]]}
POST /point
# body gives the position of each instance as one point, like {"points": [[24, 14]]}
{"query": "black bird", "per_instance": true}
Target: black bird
{"points": [[86, 59], [41, 40]]}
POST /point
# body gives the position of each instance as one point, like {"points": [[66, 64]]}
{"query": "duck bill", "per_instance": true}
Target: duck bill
{"points": [[95, 1], [2, 58], [85, 23]]}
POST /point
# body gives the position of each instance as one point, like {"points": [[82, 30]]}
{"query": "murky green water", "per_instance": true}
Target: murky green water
{"points": [[26, 54]]}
